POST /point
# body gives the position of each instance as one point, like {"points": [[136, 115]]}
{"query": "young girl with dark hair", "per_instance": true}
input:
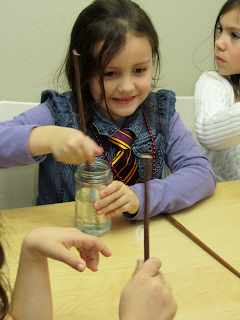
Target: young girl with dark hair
{"points": [[217, 97], [119, 65]]}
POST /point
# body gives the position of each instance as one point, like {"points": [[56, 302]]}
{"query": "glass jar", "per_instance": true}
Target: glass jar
{"points": [[90, 179]]}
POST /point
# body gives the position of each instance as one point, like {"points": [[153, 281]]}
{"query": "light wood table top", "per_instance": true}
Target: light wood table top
{"points": [[203, 288]]}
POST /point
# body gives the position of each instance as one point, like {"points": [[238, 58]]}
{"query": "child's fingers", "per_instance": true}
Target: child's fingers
{"points": [[150, 267], [91, 257], [111, 188], [90, 242], [138, 267], [112, 197], [110, 207], [89, 249], [124, 203], [116, 199], [72, 260]]}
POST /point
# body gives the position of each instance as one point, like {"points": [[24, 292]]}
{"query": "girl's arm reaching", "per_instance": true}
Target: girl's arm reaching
{"points": [[67, 145], [15, 133], [30, 136], [32, 293]]}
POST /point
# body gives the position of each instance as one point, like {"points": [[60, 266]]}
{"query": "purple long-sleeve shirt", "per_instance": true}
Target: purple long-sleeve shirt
{"points": [[192, 177]]}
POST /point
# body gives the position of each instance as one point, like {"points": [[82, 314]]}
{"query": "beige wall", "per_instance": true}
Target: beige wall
{"points": [[34, 36]]}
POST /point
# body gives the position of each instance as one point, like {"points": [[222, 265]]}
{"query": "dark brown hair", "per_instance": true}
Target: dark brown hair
{"points": [[105, 22], [235, 78], [4, 303]]}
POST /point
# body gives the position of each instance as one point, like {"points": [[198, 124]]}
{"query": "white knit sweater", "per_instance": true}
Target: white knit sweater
{"points": [[217, 119]]}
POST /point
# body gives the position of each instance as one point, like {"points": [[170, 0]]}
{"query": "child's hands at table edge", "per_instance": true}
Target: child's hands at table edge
{"points": [[116, 198], [55, 243], [147, 295], [67, 145]]}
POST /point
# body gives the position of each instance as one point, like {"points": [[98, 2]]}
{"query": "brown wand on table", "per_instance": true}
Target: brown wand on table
{"points": [[78, 88], [200, 243], [147, 176]]}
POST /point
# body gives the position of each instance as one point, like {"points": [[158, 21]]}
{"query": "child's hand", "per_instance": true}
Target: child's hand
{"points": [[67, 145], [55, 242], [31, 297], [147, 295], [116, 198], [71, 146]]}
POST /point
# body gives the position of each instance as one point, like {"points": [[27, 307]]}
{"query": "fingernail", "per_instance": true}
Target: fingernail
{"points": [[138, 263], [80, 267]]}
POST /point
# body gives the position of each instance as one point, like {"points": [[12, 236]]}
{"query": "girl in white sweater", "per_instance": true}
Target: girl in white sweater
{"points": [[217, 97]]}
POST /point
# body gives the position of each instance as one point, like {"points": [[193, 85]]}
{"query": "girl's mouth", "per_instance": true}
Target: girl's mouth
{"points": [[124, 100], [218, 59]]}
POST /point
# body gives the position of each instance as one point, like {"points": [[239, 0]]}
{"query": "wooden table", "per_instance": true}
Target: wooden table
{"points": [[203, 288]]}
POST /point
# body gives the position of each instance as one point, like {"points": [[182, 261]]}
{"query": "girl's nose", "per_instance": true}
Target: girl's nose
{"points": [[126, 85], [220, 43]]}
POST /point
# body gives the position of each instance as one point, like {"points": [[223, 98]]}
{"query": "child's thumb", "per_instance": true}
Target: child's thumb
{"points": [[138, 267], [73, 261]]}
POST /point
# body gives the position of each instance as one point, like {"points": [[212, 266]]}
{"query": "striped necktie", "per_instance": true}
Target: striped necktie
{"points": [[124, 161]]}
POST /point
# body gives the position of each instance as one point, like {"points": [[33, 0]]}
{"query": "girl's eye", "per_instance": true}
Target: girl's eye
{"points": [[235, 36], [140, 70], [109, 74], [219, 30]]}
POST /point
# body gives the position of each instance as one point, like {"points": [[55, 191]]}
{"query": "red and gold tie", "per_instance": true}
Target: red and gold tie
{"points": [[124, 161]]}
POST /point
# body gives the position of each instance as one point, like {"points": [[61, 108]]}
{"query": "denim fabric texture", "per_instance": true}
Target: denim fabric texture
{"points": [[56, 180]]}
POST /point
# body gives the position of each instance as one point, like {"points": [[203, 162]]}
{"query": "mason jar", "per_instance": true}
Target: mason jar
{"points": [[90, 179]]}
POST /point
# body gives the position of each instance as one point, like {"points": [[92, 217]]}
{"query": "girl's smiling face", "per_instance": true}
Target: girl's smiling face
{"points": [[127, 79], [227, 45]]}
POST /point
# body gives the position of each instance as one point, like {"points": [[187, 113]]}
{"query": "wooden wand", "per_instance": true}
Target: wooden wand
{"points": [[147, 176], [79, 94], [78, 89], [200, 243]]}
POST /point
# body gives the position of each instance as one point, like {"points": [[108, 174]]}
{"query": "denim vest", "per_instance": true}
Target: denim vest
{"points": [[56, 179]]}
